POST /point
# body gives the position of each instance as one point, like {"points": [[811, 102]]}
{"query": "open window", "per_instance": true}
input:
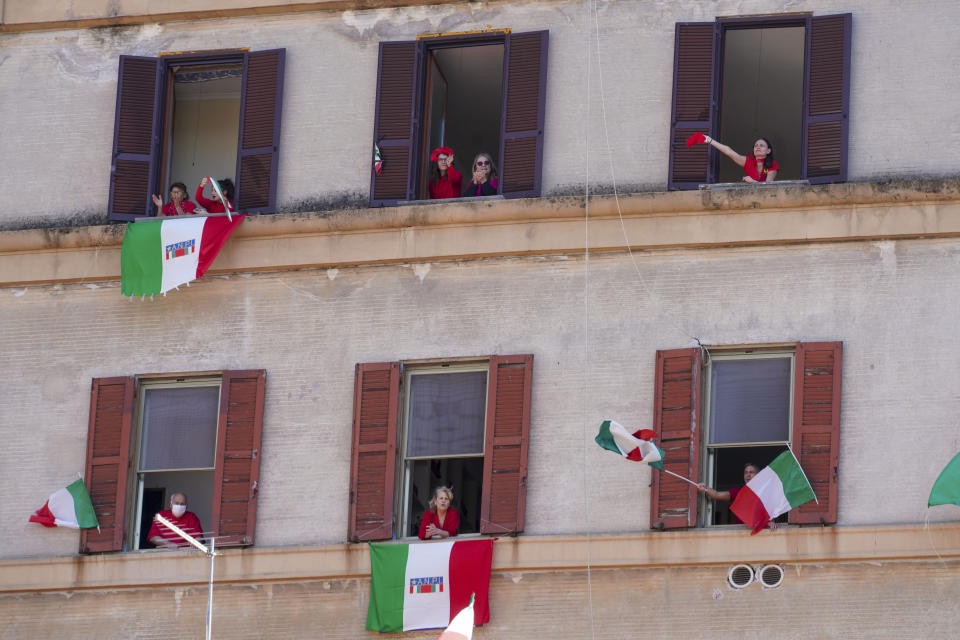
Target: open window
{"points": [[151, 438], [464, 424], [740, 406], [180, 118], [786, 78], [482, 92]]}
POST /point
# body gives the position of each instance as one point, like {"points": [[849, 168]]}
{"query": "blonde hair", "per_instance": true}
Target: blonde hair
{"points": [[433, 500]]}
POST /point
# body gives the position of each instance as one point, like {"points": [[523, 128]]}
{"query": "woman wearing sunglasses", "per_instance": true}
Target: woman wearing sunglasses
{"points": [[484, 182]]}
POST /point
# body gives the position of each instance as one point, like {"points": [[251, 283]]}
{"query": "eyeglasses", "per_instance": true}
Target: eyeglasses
{"points": [[483, 163]]}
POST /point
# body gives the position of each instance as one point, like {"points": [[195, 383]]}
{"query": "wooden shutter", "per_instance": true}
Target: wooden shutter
{"points": [[828, 99], [694, 104], [376, 397], [238, 457], [503, 498], [395, 123], [816, 426], [676, 419], [259, 141], [524, 107], [136, 138], [108, 456]]}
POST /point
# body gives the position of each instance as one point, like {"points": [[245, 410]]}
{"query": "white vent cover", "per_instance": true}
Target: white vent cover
{"points": [[770, 576], [740, 576]]}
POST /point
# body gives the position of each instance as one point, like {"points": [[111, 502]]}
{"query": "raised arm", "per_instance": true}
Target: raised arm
{"points": [[727, 151], [721, 496]]}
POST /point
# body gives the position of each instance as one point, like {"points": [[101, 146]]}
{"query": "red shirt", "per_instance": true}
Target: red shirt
{"points": [[170, 210], [212, 206], [190, 524], [446, 187], [451, 522], [750, 168]]}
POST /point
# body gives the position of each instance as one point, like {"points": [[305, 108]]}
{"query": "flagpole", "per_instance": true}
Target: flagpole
{"points": [[804, 473], [681, 477]]}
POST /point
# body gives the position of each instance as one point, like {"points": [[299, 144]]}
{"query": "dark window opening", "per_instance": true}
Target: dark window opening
{"points": [[762, 96], [464, 99]]}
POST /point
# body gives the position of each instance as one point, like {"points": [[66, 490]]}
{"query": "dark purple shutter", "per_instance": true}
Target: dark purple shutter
{"points": [[237, 471], [259, 142], [373, 462], [816, 427], [395, 123], [108, 455], [828, 99], [676, 420], [136, 138], [503, 497], [524, 107], [694, 104]]}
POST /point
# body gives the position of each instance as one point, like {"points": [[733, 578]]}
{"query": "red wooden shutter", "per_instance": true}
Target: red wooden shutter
{"points": [[395, 123], [503, 499], [238, 457], [816, 426], [376, 398], [108, 455], [828, 99], [676, 419], [136, 138], [694, 104], [259, 141], [524, 107]]}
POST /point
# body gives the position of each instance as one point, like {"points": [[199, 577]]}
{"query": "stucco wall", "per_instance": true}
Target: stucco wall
{"points": [[59, 89], [893, 304]]}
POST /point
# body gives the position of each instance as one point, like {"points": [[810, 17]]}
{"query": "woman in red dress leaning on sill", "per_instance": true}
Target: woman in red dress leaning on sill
{"points": [[441, 520], [759, 167]]}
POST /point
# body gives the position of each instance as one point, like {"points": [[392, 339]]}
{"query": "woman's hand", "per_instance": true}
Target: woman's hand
{"points": [[748, 179], [204, 183], [156, 200], [433, 531], [479, 176]]}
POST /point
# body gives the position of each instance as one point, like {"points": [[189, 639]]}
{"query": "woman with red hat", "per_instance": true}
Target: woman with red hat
{"points": [[445, 180]]}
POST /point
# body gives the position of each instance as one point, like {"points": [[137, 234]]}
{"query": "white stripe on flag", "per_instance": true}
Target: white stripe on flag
{"points": [[427, 610], [180, 270], [769, 489], [61, 506]]}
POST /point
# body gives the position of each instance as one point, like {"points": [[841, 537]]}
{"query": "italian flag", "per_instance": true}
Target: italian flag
{"points": [[461, 627], [636, 446], [160, 255], [424, 585], [772, 492], [69, 507]]}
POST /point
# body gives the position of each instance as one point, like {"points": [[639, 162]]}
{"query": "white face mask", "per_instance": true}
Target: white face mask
{"points": [[179, 510]]}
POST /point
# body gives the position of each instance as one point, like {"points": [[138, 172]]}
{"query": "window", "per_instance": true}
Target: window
{"points": [[757, 401], [464, 423], [786, 78], [182, 117], [150, 438], [473, 92]]}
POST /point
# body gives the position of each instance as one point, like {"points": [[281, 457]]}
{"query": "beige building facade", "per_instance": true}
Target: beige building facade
{"points": [[591, 287]]}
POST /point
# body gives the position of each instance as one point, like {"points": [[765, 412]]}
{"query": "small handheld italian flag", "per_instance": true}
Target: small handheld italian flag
{"points": [[377, 159], [777, 489], [160, 255], [69, 507], [461, 627], [636, 446], [226, 203]]}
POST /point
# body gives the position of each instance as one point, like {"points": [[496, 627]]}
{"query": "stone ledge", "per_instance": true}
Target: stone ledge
{"points": [[696, 547]]}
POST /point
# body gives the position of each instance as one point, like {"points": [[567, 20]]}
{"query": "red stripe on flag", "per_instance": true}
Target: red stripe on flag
{"points": [[635, 455], [470, 574], [749, 508], [645, 434], [215, 234], [44, 516]]}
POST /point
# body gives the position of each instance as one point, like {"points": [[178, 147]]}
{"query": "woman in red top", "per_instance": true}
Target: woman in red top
{"points": [[445, 181], [178, 205], [216, 206], [441, 520], [759, 167]]}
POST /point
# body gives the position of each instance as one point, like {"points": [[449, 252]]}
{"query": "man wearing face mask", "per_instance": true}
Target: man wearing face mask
{"points": [[162, 536]]}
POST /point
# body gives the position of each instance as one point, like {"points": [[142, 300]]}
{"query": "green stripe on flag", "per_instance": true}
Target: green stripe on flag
{"points": [[605, 438], [141, 259], [82, 506], [796, 487], [388, 567]]}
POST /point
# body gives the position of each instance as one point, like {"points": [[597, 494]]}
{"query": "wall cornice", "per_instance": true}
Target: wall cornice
{"points": [[538, 226]]}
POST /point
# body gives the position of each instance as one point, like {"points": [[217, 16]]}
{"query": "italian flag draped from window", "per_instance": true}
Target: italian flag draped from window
{"points": [[424, 585], [160, 255], [777, 489]]}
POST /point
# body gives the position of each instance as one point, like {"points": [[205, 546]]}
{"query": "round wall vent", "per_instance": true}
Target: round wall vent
{"points": [[740, 576], [770, 576]]}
